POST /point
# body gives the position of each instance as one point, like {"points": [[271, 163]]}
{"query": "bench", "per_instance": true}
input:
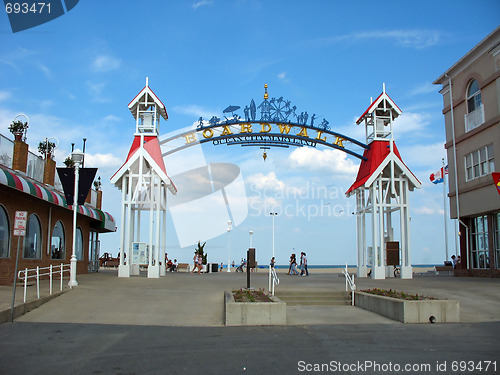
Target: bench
{"points": [[444, 270], [183, 266]]}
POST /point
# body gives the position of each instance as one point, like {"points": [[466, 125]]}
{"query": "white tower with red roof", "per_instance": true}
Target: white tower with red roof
{"points": [[381, 190], [144, 183]]}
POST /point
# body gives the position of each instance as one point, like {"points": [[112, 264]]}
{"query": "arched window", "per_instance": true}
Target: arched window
{"points": [[79, 244], [33, 239], [4, 234], [473, 96], [57, 242]]}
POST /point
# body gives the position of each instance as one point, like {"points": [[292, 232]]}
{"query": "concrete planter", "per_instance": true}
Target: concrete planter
{"points": [[254, 313], [424, 311]]}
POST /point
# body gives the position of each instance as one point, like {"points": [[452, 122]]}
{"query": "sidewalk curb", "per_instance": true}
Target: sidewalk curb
{"points": [[26, 307]]}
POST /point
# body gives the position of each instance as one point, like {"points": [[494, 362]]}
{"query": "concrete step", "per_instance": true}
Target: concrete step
{"points": [[311, 298]]}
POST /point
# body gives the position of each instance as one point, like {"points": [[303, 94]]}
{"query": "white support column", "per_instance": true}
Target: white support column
{"points": [[360, 234], [154, 266], [163, 227], [387, 224], [130, 226], [124, 269], [137, 226], [135, 221], [378, 270], [406, 268], [363, 229]]}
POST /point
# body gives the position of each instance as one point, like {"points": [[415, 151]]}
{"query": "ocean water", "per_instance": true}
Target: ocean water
{"points": [[326, 266]]}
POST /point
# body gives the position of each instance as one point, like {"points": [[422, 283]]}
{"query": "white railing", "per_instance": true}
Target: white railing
{"points": [[349, 283], [474, 118], [36, 273], [273, 279]]}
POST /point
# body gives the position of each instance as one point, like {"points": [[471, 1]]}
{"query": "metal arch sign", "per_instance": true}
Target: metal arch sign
{"points": [[278, 126]]}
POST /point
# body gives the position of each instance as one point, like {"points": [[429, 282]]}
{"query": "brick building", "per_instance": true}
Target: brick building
{"points": [[29, 183]]}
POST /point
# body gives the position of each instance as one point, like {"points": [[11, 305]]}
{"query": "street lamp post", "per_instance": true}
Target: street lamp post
{"points": [[77, 157], [229, 227], [273, 214], [251, 232]]}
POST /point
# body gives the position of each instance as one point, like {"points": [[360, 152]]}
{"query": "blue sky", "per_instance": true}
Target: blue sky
{"points": [[74, 77]]}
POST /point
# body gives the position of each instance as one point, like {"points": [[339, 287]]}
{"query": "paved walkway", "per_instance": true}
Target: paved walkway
{"points": [[174, 325], [182, 299]]}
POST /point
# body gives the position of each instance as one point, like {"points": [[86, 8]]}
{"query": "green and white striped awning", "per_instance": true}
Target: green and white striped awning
{"points": [[27, 185]]}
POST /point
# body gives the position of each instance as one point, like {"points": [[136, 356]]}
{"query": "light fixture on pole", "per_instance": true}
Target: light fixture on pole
{"points": [[77, 157], [251, 232], [273, 214], [229, 227]]}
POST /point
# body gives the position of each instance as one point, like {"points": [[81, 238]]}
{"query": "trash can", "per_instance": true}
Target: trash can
{"points": [[214, 267]]}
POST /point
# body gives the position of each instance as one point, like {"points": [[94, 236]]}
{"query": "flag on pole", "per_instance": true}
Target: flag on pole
{"points": [[438, 177], [496, 180]]}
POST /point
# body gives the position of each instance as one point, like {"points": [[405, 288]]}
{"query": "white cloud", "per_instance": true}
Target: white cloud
{"points": [[112, 118], [427, 211], [260, 181], [46, 71], [283, 77], [324, 161], [352, 130], [102, 160], [96, 90], [68, 94], [423, 155], [195, 110], [45, 105], [105, 63], [425, 88], [414, 38], [410, 122], [4, 95], [264, 190], [201, 3]]}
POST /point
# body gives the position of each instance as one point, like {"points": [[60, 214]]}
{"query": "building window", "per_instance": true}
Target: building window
{"points": [[4, 234], [479, 163], [497, 241], [479, 239], [79, 244], [57, 242], [33, 239], [475, 109], [473, 96]]}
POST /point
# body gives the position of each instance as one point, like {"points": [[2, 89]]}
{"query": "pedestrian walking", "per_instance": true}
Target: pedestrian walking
{"points": [[303, 261], [293, 265]]}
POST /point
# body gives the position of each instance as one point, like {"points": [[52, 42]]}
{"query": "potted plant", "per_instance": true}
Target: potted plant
{"points": [[18, 128], [45, 148], [68, 162], [200, 251]]}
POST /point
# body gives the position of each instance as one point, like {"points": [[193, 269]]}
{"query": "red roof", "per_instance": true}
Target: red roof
{"points": [[152, 146], [374, 155]]}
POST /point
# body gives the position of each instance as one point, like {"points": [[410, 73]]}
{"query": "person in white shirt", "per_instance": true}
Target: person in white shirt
{"points": [[303, 258]]}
